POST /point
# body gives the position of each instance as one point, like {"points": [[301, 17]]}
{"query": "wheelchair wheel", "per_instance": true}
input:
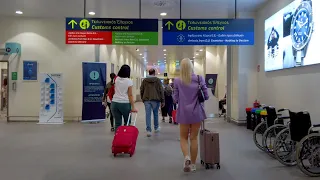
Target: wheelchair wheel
{"points": [[308, 155], [285, 148], [257, 134], [269, 136]]}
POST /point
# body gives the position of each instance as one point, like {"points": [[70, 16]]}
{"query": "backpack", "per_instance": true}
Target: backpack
{"points": [[168, 91], [111, 91]]}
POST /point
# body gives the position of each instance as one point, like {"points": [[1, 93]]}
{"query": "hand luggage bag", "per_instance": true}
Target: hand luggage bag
{"points": [[174, 115], [209, 148], [125, 138]]}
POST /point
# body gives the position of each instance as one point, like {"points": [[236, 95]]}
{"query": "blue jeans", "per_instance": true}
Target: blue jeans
{"points": [[152, 106]]}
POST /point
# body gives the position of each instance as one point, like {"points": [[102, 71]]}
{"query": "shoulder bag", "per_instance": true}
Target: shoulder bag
{"points": [[200, 92]]}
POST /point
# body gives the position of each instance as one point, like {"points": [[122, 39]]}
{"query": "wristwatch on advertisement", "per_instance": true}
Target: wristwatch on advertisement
{"points": [[301, 30]]}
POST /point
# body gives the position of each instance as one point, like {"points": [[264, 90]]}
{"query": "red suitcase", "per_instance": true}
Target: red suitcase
{"points": [[174, 115], [209, 148], [125, 138]]}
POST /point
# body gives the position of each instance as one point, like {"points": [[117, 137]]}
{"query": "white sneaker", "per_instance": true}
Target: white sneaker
{"points": [[186, 164], [193, 167], [157, 130], [149, 134]]}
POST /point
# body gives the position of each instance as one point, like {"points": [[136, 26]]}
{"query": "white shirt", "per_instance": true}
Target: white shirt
{"points": [[121, 90]]}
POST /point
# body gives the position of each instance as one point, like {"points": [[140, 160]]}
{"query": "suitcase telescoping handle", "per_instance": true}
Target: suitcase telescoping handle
{"points": [[130, 117], [202, 127]]}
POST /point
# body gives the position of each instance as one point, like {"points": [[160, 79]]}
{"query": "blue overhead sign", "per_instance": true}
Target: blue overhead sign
{"points": [[208, 32]]}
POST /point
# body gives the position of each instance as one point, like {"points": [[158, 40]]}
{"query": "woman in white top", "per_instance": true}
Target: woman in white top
{"points": [[122, 101]]}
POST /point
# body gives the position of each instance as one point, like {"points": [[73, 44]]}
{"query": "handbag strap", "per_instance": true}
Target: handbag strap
{"points": [[199, 85]]}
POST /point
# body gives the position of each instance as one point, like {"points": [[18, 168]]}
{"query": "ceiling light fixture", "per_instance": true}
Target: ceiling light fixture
{"points": [[201, 50], [163, 14], [197, 54], [137, 49], [158, 73], [165, 54], [140, 54], [92, 13], [19, 12], [164, 50], [194, 57]]}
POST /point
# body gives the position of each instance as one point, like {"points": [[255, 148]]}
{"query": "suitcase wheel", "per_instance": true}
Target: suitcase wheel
{"points": [[208, 166], [176, 123], [130, 155], [202, 162], [218, 166], [114, 154]]}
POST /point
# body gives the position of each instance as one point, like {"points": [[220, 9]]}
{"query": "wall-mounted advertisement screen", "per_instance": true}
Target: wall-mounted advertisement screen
{"points": [[292, 36]]}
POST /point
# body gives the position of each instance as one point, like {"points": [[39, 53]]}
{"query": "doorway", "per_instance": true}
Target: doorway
{"points": [[4, 93]]}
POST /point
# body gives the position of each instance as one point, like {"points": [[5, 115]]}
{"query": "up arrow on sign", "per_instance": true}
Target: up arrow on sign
{"points": [[72, 22], [169, 24]]}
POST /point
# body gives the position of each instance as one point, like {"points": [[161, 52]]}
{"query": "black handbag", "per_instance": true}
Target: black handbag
{"points": [[200, 92]]}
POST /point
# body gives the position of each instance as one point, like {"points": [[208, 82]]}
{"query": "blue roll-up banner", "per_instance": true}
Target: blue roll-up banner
{"points": [[94, 82], [211, 81]]}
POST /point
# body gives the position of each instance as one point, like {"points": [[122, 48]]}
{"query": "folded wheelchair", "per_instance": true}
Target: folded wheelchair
{"points": [[265, 127], [269, 135], [299, 144]]}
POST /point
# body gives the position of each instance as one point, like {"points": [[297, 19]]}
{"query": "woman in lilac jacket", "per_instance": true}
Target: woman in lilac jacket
{"points": [[190, 112]]}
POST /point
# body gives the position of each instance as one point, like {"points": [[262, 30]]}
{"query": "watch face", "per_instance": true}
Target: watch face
{"points": [[301, 26]]}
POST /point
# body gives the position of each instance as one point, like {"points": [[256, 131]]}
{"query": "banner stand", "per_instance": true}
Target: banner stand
{"points": [[94, 83]]}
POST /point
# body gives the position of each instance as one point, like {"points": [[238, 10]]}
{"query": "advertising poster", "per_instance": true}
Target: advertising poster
{"points": [[94, 82], [291, 36], [30, 70], [51, 99], [211, 81]]}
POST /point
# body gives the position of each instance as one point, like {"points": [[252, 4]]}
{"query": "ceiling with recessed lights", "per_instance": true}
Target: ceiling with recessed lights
{"points": [[131, 9]]}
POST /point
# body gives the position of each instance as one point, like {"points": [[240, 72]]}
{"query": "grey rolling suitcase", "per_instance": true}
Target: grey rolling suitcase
{"points": [[209, 148]]}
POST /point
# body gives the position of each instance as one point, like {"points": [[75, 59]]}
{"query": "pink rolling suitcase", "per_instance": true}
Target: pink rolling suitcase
{"points": [[209, 148]]}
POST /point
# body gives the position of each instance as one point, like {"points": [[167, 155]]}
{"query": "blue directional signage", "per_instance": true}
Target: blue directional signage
{"points": [[208, 32]]}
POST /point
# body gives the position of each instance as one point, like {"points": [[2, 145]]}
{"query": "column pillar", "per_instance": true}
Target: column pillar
{"points": [[215, 63]]}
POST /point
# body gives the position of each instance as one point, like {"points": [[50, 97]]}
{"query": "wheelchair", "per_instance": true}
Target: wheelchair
{"points": [[268, 115], [308, 153], [270, 134], [299, 144]]}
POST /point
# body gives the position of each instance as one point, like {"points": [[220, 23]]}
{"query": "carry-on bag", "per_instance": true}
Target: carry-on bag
{"points": [[174, 114], [125, 138], [209, 148]]}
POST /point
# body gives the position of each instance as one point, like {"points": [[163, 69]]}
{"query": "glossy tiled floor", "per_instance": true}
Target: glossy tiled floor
{"points": [[77, 151]]}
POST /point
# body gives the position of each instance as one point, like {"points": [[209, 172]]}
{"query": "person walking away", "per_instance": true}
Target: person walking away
{"points": [[107, 100], [168, 107], [191, 112], [122, 102], [152, 95]]}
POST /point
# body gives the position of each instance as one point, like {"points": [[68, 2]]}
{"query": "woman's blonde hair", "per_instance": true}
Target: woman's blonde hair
{"points": [[186, 70]]}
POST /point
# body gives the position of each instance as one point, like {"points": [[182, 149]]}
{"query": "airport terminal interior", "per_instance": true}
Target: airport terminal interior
{"points": [[257, 60]]}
